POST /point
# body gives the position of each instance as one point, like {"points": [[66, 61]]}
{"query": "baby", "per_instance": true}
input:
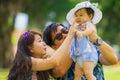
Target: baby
{"points": [[82, 50]]}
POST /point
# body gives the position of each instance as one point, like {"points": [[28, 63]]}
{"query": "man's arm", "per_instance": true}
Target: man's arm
{"points": [[108, 56]]}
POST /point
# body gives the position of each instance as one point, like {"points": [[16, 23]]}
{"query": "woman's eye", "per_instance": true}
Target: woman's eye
{"points": [[40, 40]]}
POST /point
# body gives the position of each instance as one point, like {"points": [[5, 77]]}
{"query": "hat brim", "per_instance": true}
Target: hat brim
{"points": [[96, 18]]}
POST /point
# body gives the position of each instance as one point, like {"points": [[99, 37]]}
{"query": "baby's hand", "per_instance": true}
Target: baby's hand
{"points": [[79, 34], [89, 30]]}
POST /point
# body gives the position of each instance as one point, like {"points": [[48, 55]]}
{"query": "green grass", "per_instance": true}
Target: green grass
{"points": [[3, 74], [110, 73]]}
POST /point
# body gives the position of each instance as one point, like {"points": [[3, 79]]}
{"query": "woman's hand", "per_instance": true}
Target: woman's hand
{"points": [[79, 34], [73, 29]]}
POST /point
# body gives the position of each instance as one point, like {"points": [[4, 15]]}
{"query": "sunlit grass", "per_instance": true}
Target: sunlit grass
{"points": [[112, 73], [3, 74], [109, 72]]}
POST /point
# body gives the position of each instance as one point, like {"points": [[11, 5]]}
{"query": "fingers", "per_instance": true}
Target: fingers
{"points": [[89, 30], [73, 29], [79, 34], [91, 26], [73, 23], [83, 28]]}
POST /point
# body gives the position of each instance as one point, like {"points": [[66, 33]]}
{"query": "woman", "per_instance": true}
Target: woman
{"points": [[30, 63]]}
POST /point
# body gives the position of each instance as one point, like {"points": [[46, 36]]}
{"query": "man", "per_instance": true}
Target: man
{"points": [[55, 33]]}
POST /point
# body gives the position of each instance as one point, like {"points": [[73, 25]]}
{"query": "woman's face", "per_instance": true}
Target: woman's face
{"points": [[39, 47]]}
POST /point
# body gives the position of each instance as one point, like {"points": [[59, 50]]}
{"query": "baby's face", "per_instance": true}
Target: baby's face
{"points": [[82, 16]]}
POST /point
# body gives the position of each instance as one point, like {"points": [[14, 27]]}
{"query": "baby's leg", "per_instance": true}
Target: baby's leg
{"points": [[88, 67], [78, 72]]}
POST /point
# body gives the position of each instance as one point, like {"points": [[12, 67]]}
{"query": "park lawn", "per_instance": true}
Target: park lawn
{"points": [[110, 73], [3, 74]]}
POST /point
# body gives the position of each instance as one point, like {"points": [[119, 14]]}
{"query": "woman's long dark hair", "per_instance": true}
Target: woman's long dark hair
{"points": [[21, 67]]}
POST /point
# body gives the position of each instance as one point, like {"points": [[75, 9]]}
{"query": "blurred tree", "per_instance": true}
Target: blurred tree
{"points": [[41, 11], [8, 10], [109, 27], [110, 22]]}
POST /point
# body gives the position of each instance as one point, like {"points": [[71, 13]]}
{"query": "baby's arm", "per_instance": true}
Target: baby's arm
{"points": [[89, 29]]}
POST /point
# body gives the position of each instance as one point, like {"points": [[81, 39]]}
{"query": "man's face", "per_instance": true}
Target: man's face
{"points": [[59, 36]]}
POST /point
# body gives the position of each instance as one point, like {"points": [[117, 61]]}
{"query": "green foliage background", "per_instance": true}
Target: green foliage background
{"points": [[42, 11], [108, 28]]}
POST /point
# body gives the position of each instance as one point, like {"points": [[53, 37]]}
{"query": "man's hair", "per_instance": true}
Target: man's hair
{"points": [[47, 33]]}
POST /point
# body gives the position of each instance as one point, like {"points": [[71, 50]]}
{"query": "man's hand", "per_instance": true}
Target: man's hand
{"points": [[92, 34]]}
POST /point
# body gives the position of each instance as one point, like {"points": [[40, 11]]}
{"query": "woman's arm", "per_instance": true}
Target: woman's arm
{"points": [[49, 52], [65, 64], [54, 60]]}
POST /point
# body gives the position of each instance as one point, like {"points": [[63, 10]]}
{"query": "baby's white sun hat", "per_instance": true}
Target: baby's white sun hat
{"points": [[86, 4]]}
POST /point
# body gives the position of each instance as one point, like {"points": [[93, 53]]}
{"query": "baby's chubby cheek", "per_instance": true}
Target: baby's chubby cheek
{"points": [[77, 20]]}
